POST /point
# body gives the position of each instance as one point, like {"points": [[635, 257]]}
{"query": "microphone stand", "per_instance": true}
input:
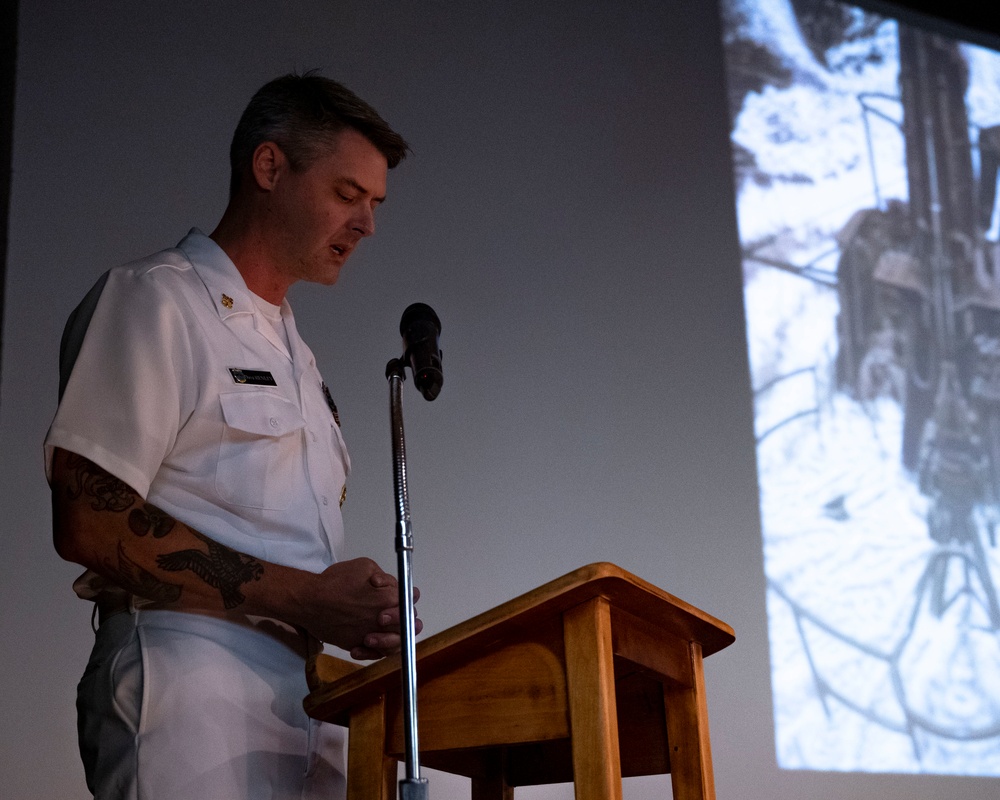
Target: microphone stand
{"points": [[412, 787]]}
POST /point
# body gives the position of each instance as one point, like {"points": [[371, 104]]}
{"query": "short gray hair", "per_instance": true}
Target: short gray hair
{"points": [[303, 115]]}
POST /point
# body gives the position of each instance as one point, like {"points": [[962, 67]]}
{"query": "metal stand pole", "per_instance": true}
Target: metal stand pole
{"points": [[412, 787]]}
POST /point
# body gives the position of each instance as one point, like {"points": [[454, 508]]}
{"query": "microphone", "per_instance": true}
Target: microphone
{"points": [[420, 328]]}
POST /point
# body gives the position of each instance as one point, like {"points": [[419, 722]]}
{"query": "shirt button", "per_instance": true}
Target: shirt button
{"points": [[315, 438], [273, 422], [326, 500]]}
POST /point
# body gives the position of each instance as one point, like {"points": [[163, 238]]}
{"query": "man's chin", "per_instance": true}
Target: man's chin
{"points": [[327, 278]]}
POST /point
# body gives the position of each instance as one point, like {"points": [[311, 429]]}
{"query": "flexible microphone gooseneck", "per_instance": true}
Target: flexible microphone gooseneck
{"points": [[419, 328]]}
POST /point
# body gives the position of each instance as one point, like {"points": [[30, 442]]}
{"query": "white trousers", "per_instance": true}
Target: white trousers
{"points": [[178, 706]]}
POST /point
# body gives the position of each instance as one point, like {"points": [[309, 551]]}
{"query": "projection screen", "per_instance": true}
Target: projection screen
{"points": [[866, 154]]}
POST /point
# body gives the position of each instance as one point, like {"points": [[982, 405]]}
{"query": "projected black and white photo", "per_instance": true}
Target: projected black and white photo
{"points": [[866, 154]]}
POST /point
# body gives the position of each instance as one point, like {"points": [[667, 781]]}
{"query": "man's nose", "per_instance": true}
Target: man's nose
{"points": [[364, 221]]}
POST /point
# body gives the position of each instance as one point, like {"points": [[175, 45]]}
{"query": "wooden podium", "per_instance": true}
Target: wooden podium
{"points": [[592, 677]]}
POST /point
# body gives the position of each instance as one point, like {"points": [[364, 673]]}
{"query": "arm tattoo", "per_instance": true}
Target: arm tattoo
{"points": [[150, 519], [221, 567], [142, 582], [106, 492]]}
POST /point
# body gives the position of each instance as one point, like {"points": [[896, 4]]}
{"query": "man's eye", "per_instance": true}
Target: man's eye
{"points": [[345, 197]]}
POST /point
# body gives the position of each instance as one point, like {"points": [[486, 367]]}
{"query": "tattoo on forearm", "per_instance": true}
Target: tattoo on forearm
{"points": [[150, 519], [142, 582], [221, 567], [106, 492]]}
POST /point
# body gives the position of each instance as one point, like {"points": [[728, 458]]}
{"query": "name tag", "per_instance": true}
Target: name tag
{"points": [[252, 377]]}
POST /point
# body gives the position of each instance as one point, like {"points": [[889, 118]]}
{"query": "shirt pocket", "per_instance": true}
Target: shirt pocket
{"points": [[261, 452]]}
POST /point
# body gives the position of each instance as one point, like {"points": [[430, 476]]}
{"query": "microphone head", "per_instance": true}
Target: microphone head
{"points": [[420, 328], [419, 314]]}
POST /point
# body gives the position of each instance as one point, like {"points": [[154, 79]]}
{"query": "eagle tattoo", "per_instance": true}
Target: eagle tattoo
{"points": [[221, 568]]}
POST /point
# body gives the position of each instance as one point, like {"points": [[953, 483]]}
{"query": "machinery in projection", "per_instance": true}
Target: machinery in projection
{"points": [[883, 579]]}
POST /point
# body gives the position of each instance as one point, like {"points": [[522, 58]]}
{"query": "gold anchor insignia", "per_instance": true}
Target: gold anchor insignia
{"points": [[343, 495], [227, 301]]}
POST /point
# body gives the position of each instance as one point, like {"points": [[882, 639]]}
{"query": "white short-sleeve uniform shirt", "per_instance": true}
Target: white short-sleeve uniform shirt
{"points": [[183, 389]]}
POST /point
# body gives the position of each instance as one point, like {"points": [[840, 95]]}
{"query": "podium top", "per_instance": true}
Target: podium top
{"points": [[524, 613]]}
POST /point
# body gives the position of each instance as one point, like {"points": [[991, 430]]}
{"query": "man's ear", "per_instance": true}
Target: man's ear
{"points": [[267, 164]]}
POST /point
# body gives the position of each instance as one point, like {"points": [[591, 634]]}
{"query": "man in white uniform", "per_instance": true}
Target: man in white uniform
{"points": [[197, 470]]}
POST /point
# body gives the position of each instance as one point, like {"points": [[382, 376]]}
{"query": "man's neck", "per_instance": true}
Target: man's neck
{"points": [[248, 251]]}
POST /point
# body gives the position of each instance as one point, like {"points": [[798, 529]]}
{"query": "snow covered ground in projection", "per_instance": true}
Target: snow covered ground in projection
{"points": [[864, 676]]}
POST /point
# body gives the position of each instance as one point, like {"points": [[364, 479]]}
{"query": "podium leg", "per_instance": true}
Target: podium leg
{"points": [[687, 734], [371, 775], [590, 683], [494, 785]]}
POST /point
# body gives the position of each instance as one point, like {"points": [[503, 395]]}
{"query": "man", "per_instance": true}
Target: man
{"points": [[197, 469]]}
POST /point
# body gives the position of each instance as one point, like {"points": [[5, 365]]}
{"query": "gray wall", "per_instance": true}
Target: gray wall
{"points": [[567, 211]]}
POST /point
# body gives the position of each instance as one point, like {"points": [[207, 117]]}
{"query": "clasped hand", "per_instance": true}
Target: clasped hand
{"points": [[355, 606]]}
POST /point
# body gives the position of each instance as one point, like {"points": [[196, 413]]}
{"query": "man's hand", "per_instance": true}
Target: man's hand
{"points": [[354, 605]]}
